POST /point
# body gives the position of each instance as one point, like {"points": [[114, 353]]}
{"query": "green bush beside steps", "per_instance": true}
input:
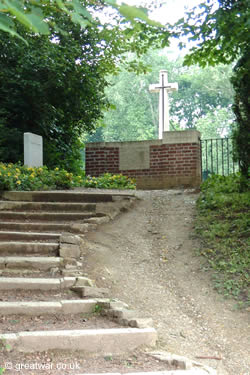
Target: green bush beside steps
{"points": [[22, 178]]}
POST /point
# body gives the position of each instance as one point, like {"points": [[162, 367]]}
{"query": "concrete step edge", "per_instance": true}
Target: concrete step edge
{"points": [[20, 243], [59, 196], [93, 341], [192, 371], [6, 195], [30, 233], [17, 259], [36, 283], [39, 262], [14, 235], [15, 248], [48, 307], [30, 215], [50, 228], [92, 219], [61, 206], [38, 224]]}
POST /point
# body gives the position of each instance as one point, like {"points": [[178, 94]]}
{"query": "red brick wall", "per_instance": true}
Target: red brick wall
{"points": [[101, 159], [171, 165]]}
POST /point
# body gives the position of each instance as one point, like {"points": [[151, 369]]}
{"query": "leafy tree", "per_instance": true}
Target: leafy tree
{"points": [[216, 124], [241, 132], [134, 111], [203, 101], [53, 88], [220, 30], [54, 85], [201, 91], [39, 15]]}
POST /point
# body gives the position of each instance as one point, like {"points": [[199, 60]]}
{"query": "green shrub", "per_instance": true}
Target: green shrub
{"points": [[21, 178], [109, 181], [17, 177]]}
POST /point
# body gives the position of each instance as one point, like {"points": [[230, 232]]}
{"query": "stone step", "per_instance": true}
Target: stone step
{"points": [[46, 307], [41, 295], [41, 248], [28, 236], [47, 206], [35, 263], [91, 341], [44, 227], [47, 216], [61, 196], [193, 371], [36, 283]]}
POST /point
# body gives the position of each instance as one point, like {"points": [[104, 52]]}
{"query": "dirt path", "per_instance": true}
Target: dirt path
{"points": [[147, 258]]}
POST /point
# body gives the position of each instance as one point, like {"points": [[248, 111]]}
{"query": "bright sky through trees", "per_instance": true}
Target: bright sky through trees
{"points": [[170, 11]]}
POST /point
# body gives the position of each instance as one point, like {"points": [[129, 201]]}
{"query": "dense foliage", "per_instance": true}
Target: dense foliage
{"points": [[221, 32], [54, 85], [21, 178], [223, 225], [203, 101], [241, 108], [54, 89], [39, 15]]}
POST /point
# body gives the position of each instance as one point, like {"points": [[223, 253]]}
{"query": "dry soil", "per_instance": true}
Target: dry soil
{"points": [[148, 259]]}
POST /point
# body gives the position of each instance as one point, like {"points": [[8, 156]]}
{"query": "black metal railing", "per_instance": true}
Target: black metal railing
{"points": [[217, 157]]}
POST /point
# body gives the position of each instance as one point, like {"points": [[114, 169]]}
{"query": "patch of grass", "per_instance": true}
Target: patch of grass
{"points": [[4, 346], [222, 224], [97, 309], [21, 178], [108, 358]]}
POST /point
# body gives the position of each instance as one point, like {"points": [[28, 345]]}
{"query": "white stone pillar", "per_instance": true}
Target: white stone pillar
{"points": [[33, 150]]}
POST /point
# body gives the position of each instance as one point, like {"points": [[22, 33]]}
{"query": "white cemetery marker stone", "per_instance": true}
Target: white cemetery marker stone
{"points": [[33, 150], [163, 87]]}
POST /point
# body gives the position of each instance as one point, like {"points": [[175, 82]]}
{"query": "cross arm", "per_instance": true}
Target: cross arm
{"points": [[154, 88]]}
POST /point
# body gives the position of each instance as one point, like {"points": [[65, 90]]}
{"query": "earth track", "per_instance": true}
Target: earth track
{"points": [[148, 259]]}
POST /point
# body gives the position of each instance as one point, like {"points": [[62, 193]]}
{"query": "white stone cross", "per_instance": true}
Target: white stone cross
{"points": [[164, 87]]}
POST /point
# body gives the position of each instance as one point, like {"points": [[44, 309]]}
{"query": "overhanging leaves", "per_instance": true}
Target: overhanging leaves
{"points": [[37, 15]]}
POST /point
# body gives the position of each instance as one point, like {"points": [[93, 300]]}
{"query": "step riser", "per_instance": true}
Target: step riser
{"points": [[95, 342], [16, 236], [43, 227], [49, 284], [33, 227], [21, 248], [56, 207], [27, 227], [31, 263], [36, 286], [55, 197], [45, 216], [194, 371]]}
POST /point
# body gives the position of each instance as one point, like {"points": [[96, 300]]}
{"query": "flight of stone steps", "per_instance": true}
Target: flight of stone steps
{"points": [[42, 279]]}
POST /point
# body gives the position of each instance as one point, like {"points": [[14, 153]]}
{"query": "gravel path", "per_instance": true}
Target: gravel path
{"points": [[147, 257]]}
